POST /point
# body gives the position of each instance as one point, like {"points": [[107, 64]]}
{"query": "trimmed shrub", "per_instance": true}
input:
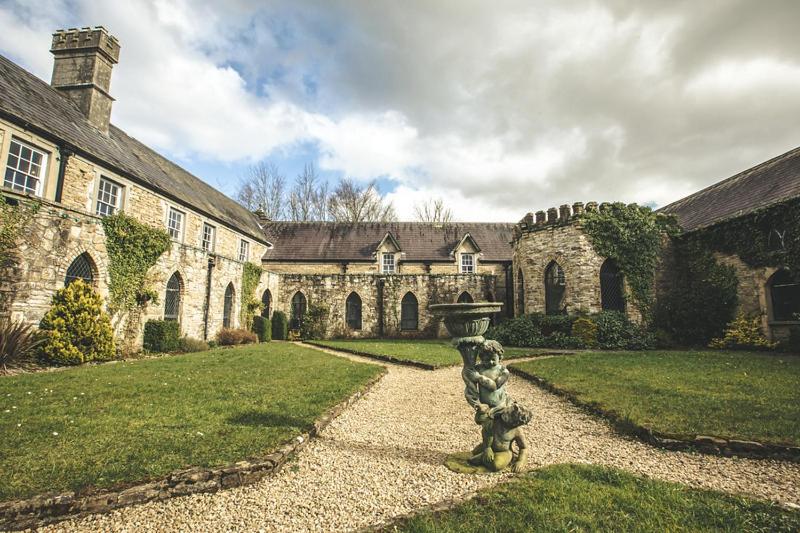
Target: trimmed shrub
{"points": [[262, 327], [743, 334], [189, 345], [18, 342], [161, 336], [520, 331], [313, 326], [614, 330], [280, 326], [76, 329], [551, 324], [585, 329], [230, 337]]}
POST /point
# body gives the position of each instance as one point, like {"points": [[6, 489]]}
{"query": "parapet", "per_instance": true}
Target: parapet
{"points": [[557, 216], [75, 40]]}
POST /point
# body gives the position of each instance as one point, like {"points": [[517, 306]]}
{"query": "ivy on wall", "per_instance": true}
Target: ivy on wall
{"points": [[251, 276], [133, 249], [631, 235], [14, 217]]}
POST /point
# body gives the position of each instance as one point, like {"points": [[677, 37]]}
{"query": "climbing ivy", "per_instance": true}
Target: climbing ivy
{"points": [[14, 217], [133, 248], [251, 276], [631, 235]]}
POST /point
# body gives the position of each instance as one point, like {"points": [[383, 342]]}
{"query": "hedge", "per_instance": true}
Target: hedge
{"points": [[280, 326], [263, 328], [161, 336]]}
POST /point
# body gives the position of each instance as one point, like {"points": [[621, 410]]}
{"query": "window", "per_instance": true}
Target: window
{"points": [[387, 263], [227, 307], [244, 250], [175, 223], [207, 241], [25, 168], [555, 284], [785, 295], [172, 300], [520, 293], [109, 195], [298, 310], [81, 268], [409, 312], [611, 287], [465, 298], [467, 263], [353, 311], [266, 304]]}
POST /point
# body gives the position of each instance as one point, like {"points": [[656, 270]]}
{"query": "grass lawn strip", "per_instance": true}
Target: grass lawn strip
{"points": [[429, 354], [116, 424], [730, 395], [592, 498]]}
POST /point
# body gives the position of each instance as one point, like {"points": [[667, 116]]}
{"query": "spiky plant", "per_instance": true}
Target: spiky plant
{"points": [[18, 342]]}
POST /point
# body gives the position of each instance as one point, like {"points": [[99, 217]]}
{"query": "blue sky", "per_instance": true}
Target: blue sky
{"points": [[498, 108]]}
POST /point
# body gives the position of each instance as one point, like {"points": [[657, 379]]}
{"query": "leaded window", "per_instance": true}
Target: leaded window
{"points": [[266, 304], [298, 310], [612, 297], [207, 242], [467, 263], [175, 223], [409, 312], [555, 285], [172, 300], [785, 295], [353, 311], [25, 168], [520, 293], [244, 250], [465, 298], [109, 195], [387, 263], [227, 306], [80, 268]]}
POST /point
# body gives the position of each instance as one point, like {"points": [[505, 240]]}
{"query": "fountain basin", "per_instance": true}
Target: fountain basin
{"points": [[467, 319]]}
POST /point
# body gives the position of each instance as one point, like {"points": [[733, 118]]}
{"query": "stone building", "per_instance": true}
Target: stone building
{"points": [[376, 279]]}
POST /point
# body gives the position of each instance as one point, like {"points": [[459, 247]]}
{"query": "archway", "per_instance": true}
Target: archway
{"points": [[82, 267], [555, 284], [299, 306], [612, 296], [227, 308], [409, 312], [266, 304], [353, 311], [172, 299]]}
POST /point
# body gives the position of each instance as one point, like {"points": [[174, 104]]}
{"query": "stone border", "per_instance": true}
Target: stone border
{"points": [[49, 508], [701, 443]]}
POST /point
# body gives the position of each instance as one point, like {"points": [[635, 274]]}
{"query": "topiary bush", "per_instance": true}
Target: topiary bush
{"points": [[280, 326], [161, 336], [230, 337], [76, 329], [262, 327], [743, 333], [585, 329]]}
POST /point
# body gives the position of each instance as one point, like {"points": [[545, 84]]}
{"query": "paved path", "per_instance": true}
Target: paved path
{"points": [[383, 457]]}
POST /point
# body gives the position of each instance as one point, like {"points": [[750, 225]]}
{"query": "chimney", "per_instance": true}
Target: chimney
{"points": [[82, 70]]}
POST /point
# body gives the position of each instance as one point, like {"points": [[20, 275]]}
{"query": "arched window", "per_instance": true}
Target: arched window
{"points": [[266, 304], [227, 308], [409, 312], [520, 293], [172, 300], [555, 285], [298, 309], [612, 297], [353, 311], [784, 293], [81, 268], [465, 298]]}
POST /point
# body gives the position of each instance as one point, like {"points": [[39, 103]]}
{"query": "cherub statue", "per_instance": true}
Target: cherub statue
{"points": [[488, 396], [506, 428]]}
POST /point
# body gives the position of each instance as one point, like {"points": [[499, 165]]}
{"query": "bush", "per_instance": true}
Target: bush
{"points": [[76, 329], [585, 329], [520, 331], [189, 345], [262, 327], [18, 342], [161, 336], [230, 336], [743, 334], [313, 326], [792, 344], [614, 330], [280, 326], [551, 324]]}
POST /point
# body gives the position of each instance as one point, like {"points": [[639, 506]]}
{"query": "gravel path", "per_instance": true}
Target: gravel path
{"points": [[383, 458]]}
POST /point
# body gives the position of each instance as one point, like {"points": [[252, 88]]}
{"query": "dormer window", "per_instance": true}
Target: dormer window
{"points": [[25, 168], [387, 263], [467, 263]]}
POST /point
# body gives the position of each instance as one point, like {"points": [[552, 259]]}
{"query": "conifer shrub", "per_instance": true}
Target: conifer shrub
{"points": [[262, 327], [76, 329], [161, 336], [743, 333], [280, 326]]}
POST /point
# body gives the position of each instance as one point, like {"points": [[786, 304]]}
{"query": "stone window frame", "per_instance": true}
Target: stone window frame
{"points": [[173, 297], [467, 267], [212, 241], [181, 229], [49, 179], [44, 166], [770, 298], [120, 203], [244, 250], [388, 267]]}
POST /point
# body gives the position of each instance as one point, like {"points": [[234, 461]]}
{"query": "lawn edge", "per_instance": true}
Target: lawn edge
{"points": [[700, 443], [385, 358], [49, 508]]}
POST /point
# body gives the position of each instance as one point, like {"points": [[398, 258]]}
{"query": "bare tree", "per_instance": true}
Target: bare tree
{"points": [[353, 203], [263, 188], [308, 199], [433, 210]]}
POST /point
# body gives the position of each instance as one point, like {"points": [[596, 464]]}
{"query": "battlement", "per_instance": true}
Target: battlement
{"points": [[82, 40], [557, 215]]}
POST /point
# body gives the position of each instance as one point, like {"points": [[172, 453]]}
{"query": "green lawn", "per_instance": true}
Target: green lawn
{"points": [[747, 396], [591, 498], [436, 352], [131, 421]]}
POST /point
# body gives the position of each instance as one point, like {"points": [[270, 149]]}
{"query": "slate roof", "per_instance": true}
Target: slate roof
{"points": [[771, 182], [34, 105], [419, 241]]}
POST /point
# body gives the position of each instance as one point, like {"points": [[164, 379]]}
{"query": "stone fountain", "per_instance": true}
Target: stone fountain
{"points": [[499, 417]]}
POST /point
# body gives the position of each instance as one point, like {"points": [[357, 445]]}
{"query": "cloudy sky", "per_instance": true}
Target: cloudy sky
{"points": [[500, 107]]}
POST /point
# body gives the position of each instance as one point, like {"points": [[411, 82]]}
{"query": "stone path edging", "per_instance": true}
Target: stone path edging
{"points": [[49, 508], [701, 443]]}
